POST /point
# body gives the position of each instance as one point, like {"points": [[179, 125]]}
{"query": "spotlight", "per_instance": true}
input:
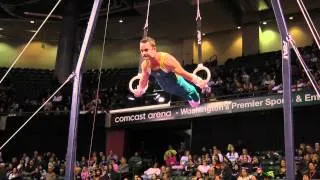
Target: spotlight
{"points": [[120, 20], [161, 99], [238, 27], [32, 22], [203, 34], [291, 17], [131, 98], [264, 22]]}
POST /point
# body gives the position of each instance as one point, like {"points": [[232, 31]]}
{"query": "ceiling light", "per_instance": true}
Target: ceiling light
{"points": [[264, 22], [32, 22], [291, 17], [1, 29], [238, 27], [203, 34], [120, 20]]}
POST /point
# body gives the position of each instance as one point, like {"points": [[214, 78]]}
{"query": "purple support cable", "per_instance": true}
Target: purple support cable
{"points": [[286, 81], [73, 126]]}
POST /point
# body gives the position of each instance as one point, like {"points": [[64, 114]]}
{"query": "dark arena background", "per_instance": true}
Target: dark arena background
{"points": [[67, 111]]}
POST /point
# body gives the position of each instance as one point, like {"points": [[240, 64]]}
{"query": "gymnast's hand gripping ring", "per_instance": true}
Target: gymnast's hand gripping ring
{"points": [[201, 67], [137, 77]]}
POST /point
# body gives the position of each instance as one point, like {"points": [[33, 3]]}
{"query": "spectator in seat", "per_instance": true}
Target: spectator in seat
{"points": [[211, 174], [247, 86], [98, 174], [61, 174], [204, 167], [309, 149], [154, 170], [83, 161], [115, 166], [168, 152], [255, 76], [281, 171], [111, 156], [162, 170], [3, 171], [255, 162], [198, 176], [299, 155], [165, 176], [136, 177], [168, 171], [57, 98], [216, 155], [244, 175], [204, 150], [112, 174], [300, 84], [315, 158], [261, 175], [171, 159], [182, 149], [84, 173], [14, 161], [123, 167], [190, 166], [42, 172], [185, 158], [48, 107], [317, 148], [208, 158], [226, 172], [135, 161], [30, 170], [244, 158], [312, 173], [231, 154], [51, 175], [15, 175], [268, 83]]}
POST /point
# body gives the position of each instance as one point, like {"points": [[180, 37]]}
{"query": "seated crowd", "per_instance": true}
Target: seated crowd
{"points": [[210, 164], [256, 75]]}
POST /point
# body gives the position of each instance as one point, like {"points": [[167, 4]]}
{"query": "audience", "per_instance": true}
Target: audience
{"points": [[264, 165], [240, 77]]}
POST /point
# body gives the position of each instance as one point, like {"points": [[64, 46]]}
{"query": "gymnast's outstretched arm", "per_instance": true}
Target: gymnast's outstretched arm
{"points": [[173, 65], [144, 81]]}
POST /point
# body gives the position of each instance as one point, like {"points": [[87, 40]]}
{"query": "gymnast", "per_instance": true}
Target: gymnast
{"points": [[168, 73]]}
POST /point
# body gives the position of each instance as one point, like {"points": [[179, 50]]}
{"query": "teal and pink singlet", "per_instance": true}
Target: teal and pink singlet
{"points": [[174, 84]]}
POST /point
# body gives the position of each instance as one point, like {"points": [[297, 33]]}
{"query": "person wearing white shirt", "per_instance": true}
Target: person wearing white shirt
{"points": [[232, 155], [185, 158]]}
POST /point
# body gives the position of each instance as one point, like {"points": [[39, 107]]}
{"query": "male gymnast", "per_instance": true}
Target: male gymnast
{"points": [[168, 73]]}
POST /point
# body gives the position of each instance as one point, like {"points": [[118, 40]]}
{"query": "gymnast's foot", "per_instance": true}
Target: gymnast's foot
{"points": [[194, 103]]}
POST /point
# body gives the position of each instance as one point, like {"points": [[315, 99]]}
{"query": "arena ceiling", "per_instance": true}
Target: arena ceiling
{"points": [[168, 18]]}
